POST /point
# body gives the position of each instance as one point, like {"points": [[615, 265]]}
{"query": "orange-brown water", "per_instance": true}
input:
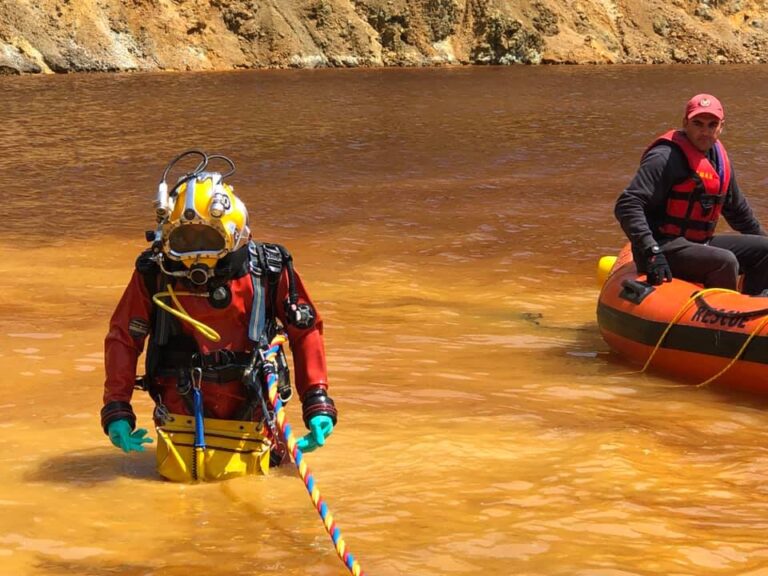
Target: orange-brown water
{"points": [[448, 224]]}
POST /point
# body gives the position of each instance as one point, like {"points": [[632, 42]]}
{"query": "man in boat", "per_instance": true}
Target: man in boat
{"points": [[671, 207], [209, 301]]}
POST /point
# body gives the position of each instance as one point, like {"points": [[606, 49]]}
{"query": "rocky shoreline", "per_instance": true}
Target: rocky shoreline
{"points": [[61, 36]]}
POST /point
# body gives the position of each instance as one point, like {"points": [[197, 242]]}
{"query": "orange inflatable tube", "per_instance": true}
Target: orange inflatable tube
{"points": [[698, 335]]}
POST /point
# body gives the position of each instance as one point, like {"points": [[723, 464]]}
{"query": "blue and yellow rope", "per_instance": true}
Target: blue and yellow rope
{"points": [[306, 475]]}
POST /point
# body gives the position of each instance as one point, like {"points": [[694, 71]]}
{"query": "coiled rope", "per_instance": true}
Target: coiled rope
{"points": [[298, 458]]}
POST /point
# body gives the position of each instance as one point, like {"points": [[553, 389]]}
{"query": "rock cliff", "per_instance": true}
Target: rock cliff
{"points": [[135, 35]]}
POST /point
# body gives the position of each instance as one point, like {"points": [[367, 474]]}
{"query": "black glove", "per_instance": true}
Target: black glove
{"points": [[657, 268], [316, 401]]}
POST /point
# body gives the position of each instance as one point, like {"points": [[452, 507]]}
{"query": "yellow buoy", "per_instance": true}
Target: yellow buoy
{"points": [[604, 267]]}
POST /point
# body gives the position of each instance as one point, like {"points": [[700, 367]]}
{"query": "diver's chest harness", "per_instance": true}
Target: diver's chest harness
{"points": [[175, 354]]}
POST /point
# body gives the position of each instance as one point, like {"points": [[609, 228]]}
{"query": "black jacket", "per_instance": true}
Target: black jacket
{"points": [[641, 206]]}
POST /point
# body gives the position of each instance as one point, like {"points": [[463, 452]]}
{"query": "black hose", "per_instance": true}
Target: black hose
{"points": [[187, 177], [200, 167], [227, 160]]}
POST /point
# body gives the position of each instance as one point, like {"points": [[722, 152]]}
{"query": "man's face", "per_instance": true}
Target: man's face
{"points": [[703, 130]]}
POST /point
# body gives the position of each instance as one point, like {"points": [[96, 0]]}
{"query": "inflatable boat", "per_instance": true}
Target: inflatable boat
{"points": [[680, 329]]}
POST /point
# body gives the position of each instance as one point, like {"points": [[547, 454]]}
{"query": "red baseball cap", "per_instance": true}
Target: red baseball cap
{"points": [[704, 104]]}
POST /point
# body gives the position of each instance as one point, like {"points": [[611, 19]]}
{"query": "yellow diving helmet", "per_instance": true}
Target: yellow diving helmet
{"points": [[200, 220]]}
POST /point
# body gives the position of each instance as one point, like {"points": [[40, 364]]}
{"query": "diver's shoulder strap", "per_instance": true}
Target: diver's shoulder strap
{"points": [[163, 324], [266, 262], [149, 271], [258, 312], [277, 253], [268, 258], [273, 258]]}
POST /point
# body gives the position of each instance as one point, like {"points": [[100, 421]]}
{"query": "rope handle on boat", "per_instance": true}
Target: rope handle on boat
{"points": [[298, 458], [754, 333], [698, 297], [734, 314], [677, 317]]}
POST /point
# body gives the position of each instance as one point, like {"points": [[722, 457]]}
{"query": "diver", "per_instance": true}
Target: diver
{"points": [[208, 301]]}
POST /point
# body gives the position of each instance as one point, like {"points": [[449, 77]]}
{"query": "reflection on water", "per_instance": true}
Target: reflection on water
{"points": [[448, 223]]}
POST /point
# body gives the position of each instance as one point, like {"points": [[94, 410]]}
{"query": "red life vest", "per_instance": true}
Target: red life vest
{"points": [[694, 205]]}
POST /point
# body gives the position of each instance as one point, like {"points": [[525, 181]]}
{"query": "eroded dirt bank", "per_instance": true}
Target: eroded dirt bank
{"points": [[124, 35]]}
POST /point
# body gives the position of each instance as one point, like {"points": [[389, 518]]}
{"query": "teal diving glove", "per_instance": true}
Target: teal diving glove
{"points": [[121, 436], [320, 427]]}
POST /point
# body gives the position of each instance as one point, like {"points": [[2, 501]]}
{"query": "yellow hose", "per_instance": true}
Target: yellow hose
{"points": [[204, 329]]}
